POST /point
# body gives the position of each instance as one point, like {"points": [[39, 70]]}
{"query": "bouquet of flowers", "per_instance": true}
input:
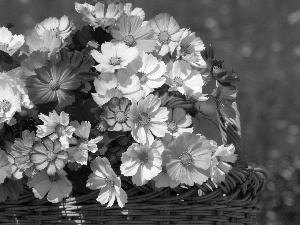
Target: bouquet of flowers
{"points": [[108, 105]]}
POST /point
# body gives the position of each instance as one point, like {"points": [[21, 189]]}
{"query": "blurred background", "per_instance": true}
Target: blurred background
{"points": [[260, 40]]}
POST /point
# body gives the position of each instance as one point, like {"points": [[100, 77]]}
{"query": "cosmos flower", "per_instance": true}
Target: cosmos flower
{"points": [[133, 12], [5, 166], [48, 155], [99, 15], [79, 153], [57, 126], [142, 162], [148, 119], [113, 57], [190, 48], [116, 113], [57, 185], [178, 122], [130, 31], [149, 70], [8, 42], [108, 85], [167, 33], [104, 178], [180, 77], [9, 101], [53, 82], [62, 26], [49, 42], [220, 166], [188, 158]]}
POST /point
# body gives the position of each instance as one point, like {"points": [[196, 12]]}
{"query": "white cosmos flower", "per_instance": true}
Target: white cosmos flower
{"points": [[113, 57], [167, 33], [181, 77], [190, 48], [148, 119], [63, 26], [98, 15], [109, 85], [10, 43], [149, 70], [142, 162]]}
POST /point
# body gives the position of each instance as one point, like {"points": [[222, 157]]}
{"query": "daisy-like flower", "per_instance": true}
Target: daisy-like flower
{"points": [[79, 153], [142, 162], [178, 122], [133, 12], [167, 33], [104, 178], [113, 57], [108, 85], [220, 162], [49, 42], [9, 101], [99, 15], [57, 186], [53, 82], [190, 48], [149, 70], [180, 77], [57, 126], [48, 155], [15, 79], [130, 31], [148, 119], [62, 26], [188, 159], [22, 148], [5, 166], [116, 113], [8, 42]]}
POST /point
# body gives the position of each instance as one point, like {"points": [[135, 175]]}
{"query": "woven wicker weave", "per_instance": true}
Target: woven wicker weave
{"points": [[235, 201]]}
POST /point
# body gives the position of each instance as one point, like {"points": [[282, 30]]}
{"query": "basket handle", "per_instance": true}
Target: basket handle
{"points": [[229, 120]]}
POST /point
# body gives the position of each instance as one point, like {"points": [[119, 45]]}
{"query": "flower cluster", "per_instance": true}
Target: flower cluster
{"points": [[121, 99]]}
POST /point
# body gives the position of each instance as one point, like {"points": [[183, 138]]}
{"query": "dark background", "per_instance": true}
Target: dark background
{"points": [[260, 40]]}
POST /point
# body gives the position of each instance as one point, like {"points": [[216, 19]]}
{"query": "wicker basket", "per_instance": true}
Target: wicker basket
{"points": [[234, 201]]}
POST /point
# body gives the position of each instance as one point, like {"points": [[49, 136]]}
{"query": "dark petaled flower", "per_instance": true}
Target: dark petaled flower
{"points": [[48, 155], [53, 83]]}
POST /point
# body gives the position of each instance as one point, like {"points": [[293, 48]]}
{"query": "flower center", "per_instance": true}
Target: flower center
{"points": [[115, 61], [186, 159], [123, 140], [102, 126], [121, 117], [51, 156], [143, 77], [172, 126], [54, 177], [143, 157], [59, 129], [54, 85], [178, 82], [164, 37], [110, 183], [5, 105], [143, 119], [130, 41]]}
